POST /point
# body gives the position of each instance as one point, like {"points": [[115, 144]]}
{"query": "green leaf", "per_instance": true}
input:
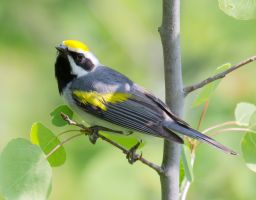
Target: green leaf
{"points": [[43, 137], [252, 123], [239, 9], [248, 146], [182, 172], [207, 90], [56, 117], [243, 113], [186, 161], [24, 171]]}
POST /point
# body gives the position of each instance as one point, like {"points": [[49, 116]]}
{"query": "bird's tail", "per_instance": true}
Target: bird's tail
{"points": [[173, 126]]}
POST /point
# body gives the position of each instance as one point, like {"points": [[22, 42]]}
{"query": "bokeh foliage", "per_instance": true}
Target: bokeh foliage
{"points": [[123, 34]]}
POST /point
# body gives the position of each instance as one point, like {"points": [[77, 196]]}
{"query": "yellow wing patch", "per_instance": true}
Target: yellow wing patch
{"points": [[100, 100], [75, 44]]}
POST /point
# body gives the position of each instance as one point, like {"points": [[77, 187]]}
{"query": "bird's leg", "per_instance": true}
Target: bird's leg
{"points": [[131, 154], [94, 135]]}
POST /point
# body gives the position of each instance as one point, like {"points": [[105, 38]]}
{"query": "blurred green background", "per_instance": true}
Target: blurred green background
{"points": [[123, 35]]}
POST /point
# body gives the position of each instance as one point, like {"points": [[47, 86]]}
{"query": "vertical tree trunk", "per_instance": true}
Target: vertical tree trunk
{"points": [[170, 36]]}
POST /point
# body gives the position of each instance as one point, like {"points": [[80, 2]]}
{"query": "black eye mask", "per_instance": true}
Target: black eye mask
{"points": [[82, 61]]}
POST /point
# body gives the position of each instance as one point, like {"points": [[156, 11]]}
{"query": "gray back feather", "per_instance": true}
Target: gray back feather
{"points": [[103, 80]]}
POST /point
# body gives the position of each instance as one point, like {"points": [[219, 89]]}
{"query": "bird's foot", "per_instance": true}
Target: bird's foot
{"points": [[94, 135], [131, 155]]}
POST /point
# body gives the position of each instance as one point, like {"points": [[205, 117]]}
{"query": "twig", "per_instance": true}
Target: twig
{"points": [[202, 116], [68, 131], [62, 143], [229, 123], [136, 156], [71, 122], [186, 184], [230, 130], [88, 131], [196, 86]]}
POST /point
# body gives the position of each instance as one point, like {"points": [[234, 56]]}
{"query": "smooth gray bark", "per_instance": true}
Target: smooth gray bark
{"points": [[170, 36]]}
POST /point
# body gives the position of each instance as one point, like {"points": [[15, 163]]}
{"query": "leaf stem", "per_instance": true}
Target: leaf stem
{"points": [[228, 123], [230, 130], [68, 131], [202, 117], [62, 143], [186, 183]]}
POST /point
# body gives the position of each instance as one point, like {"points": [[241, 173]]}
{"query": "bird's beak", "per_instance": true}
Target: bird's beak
{"points": [[62, 49]]}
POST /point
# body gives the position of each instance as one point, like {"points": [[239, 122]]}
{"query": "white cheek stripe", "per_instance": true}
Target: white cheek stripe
{"points": [[76, 70], [92, 58]]}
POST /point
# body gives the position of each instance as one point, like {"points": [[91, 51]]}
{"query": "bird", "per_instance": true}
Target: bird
{"points": [[106, 98]]}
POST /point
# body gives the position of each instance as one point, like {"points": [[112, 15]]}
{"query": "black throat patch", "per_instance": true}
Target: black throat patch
{"points": [[63, 72]]}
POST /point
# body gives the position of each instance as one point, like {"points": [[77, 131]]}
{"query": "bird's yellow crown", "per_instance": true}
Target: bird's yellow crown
{"points": [[75, 45]]}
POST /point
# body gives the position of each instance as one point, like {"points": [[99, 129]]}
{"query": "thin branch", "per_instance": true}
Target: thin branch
{"points": [[186, 184], [196, 86], [88, 131], [71, 122], [229, 123], [202, 116], [62, 143], [68, 131], [184, 190], [231, 130], [136, 156]]}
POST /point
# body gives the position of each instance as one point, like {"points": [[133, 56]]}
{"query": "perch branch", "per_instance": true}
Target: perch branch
{"points": [[196, 86], [170, 37], [135, 156]]}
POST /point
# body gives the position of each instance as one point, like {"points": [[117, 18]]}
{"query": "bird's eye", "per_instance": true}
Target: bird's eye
{"points": [[79, 58]]}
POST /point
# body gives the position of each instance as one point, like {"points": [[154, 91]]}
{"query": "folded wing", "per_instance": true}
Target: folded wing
{"points": [[131, 111]]}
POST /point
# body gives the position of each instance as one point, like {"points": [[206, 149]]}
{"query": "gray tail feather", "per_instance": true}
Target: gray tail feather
{"points": [[173, 126]]}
